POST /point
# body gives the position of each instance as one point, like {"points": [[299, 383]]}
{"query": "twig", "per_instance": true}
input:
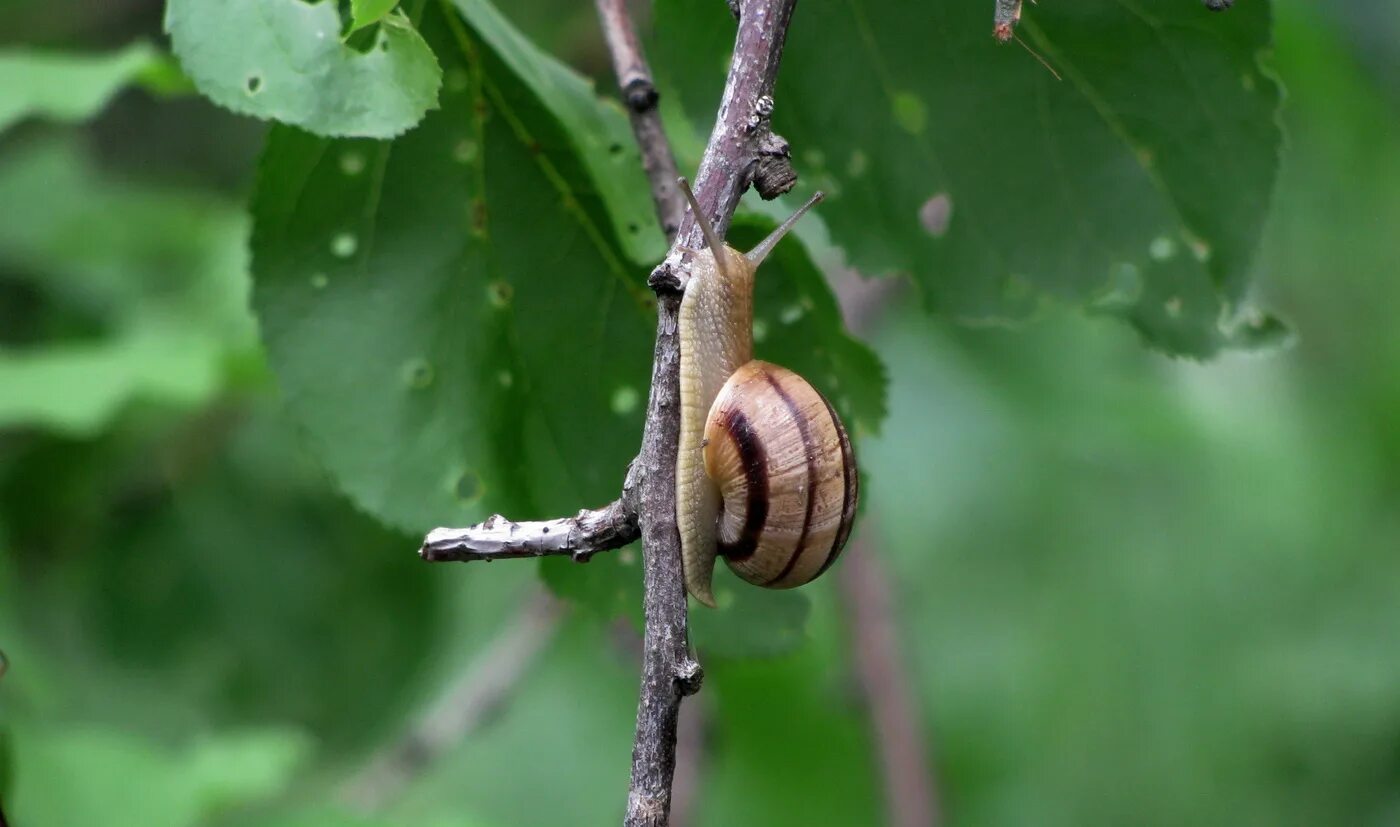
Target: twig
{"points": [[727, 168], [638, 90], [690, 763], [911, 799], [1008, 14], [484, 686], [911, 789], [580, 536]]}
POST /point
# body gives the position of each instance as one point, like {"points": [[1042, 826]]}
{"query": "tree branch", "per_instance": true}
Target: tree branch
{"points": [[911, 788], [911, 797], [639, 92], [726, 170], [480, 690], [742, 150]]}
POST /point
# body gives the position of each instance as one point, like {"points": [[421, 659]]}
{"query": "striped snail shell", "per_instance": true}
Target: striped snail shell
{"points": [[786, 475], [765, 477]]}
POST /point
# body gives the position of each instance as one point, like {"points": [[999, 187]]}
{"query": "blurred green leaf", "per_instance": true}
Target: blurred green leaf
{"points": [[749, 621], [328, 816], [579, 703], [82, 777], [212, 568], [284, 60], [7, 764], [597, 129], [787, 747], [78, 388], [365, 13], [161, 272], [65, 86], [164, 77], [965, 163], [608, 585]]}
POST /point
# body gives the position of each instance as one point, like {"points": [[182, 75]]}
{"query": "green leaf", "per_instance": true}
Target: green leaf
{"points": [[64, 86], [490, 353], [448, 315], [77, 388], [794, 750], [324, 815], [1139, 183], [174, 602], [597, 129], [365, 13], [159, 273], [608, 585], [94, 776], [749, 621], [284, 60]]}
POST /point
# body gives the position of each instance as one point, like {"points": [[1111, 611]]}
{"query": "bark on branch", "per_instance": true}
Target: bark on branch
{"points": [[639, 92], [742, 151], [482, 688], [580, 536], [726, 170]]}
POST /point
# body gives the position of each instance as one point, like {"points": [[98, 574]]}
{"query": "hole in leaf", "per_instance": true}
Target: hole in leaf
{"points": [[254, 84], [615, 149]]}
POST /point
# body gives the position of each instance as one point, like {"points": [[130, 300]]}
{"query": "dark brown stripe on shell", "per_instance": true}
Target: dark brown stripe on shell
{"points": [[755, 461], [809, 451], [851, 496]]}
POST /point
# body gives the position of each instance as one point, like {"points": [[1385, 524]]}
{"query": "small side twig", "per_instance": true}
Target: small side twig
{"points": [[639, 92], [580, 536], [482, 688]]}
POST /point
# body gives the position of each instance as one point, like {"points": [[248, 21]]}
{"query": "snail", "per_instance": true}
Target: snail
{"points": [[765, 476]]}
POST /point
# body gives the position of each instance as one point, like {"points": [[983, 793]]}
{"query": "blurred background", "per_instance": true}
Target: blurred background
{"points": [[1128, 590]]}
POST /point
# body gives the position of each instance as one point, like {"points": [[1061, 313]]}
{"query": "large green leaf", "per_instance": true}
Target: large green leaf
{"points": [[1136, 186], [450, 316], [65, 87], [284, 60], [598, 130]]}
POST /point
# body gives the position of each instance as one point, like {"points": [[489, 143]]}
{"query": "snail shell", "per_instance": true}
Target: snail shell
{"points": [[764, 472], [786, 475]]}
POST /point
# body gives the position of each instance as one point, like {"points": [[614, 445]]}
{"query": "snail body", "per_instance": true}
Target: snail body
{"points": [[765, 476]]}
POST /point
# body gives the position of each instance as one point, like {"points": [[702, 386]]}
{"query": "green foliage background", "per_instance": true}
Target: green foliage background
{"points": [[1132, 589]]}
